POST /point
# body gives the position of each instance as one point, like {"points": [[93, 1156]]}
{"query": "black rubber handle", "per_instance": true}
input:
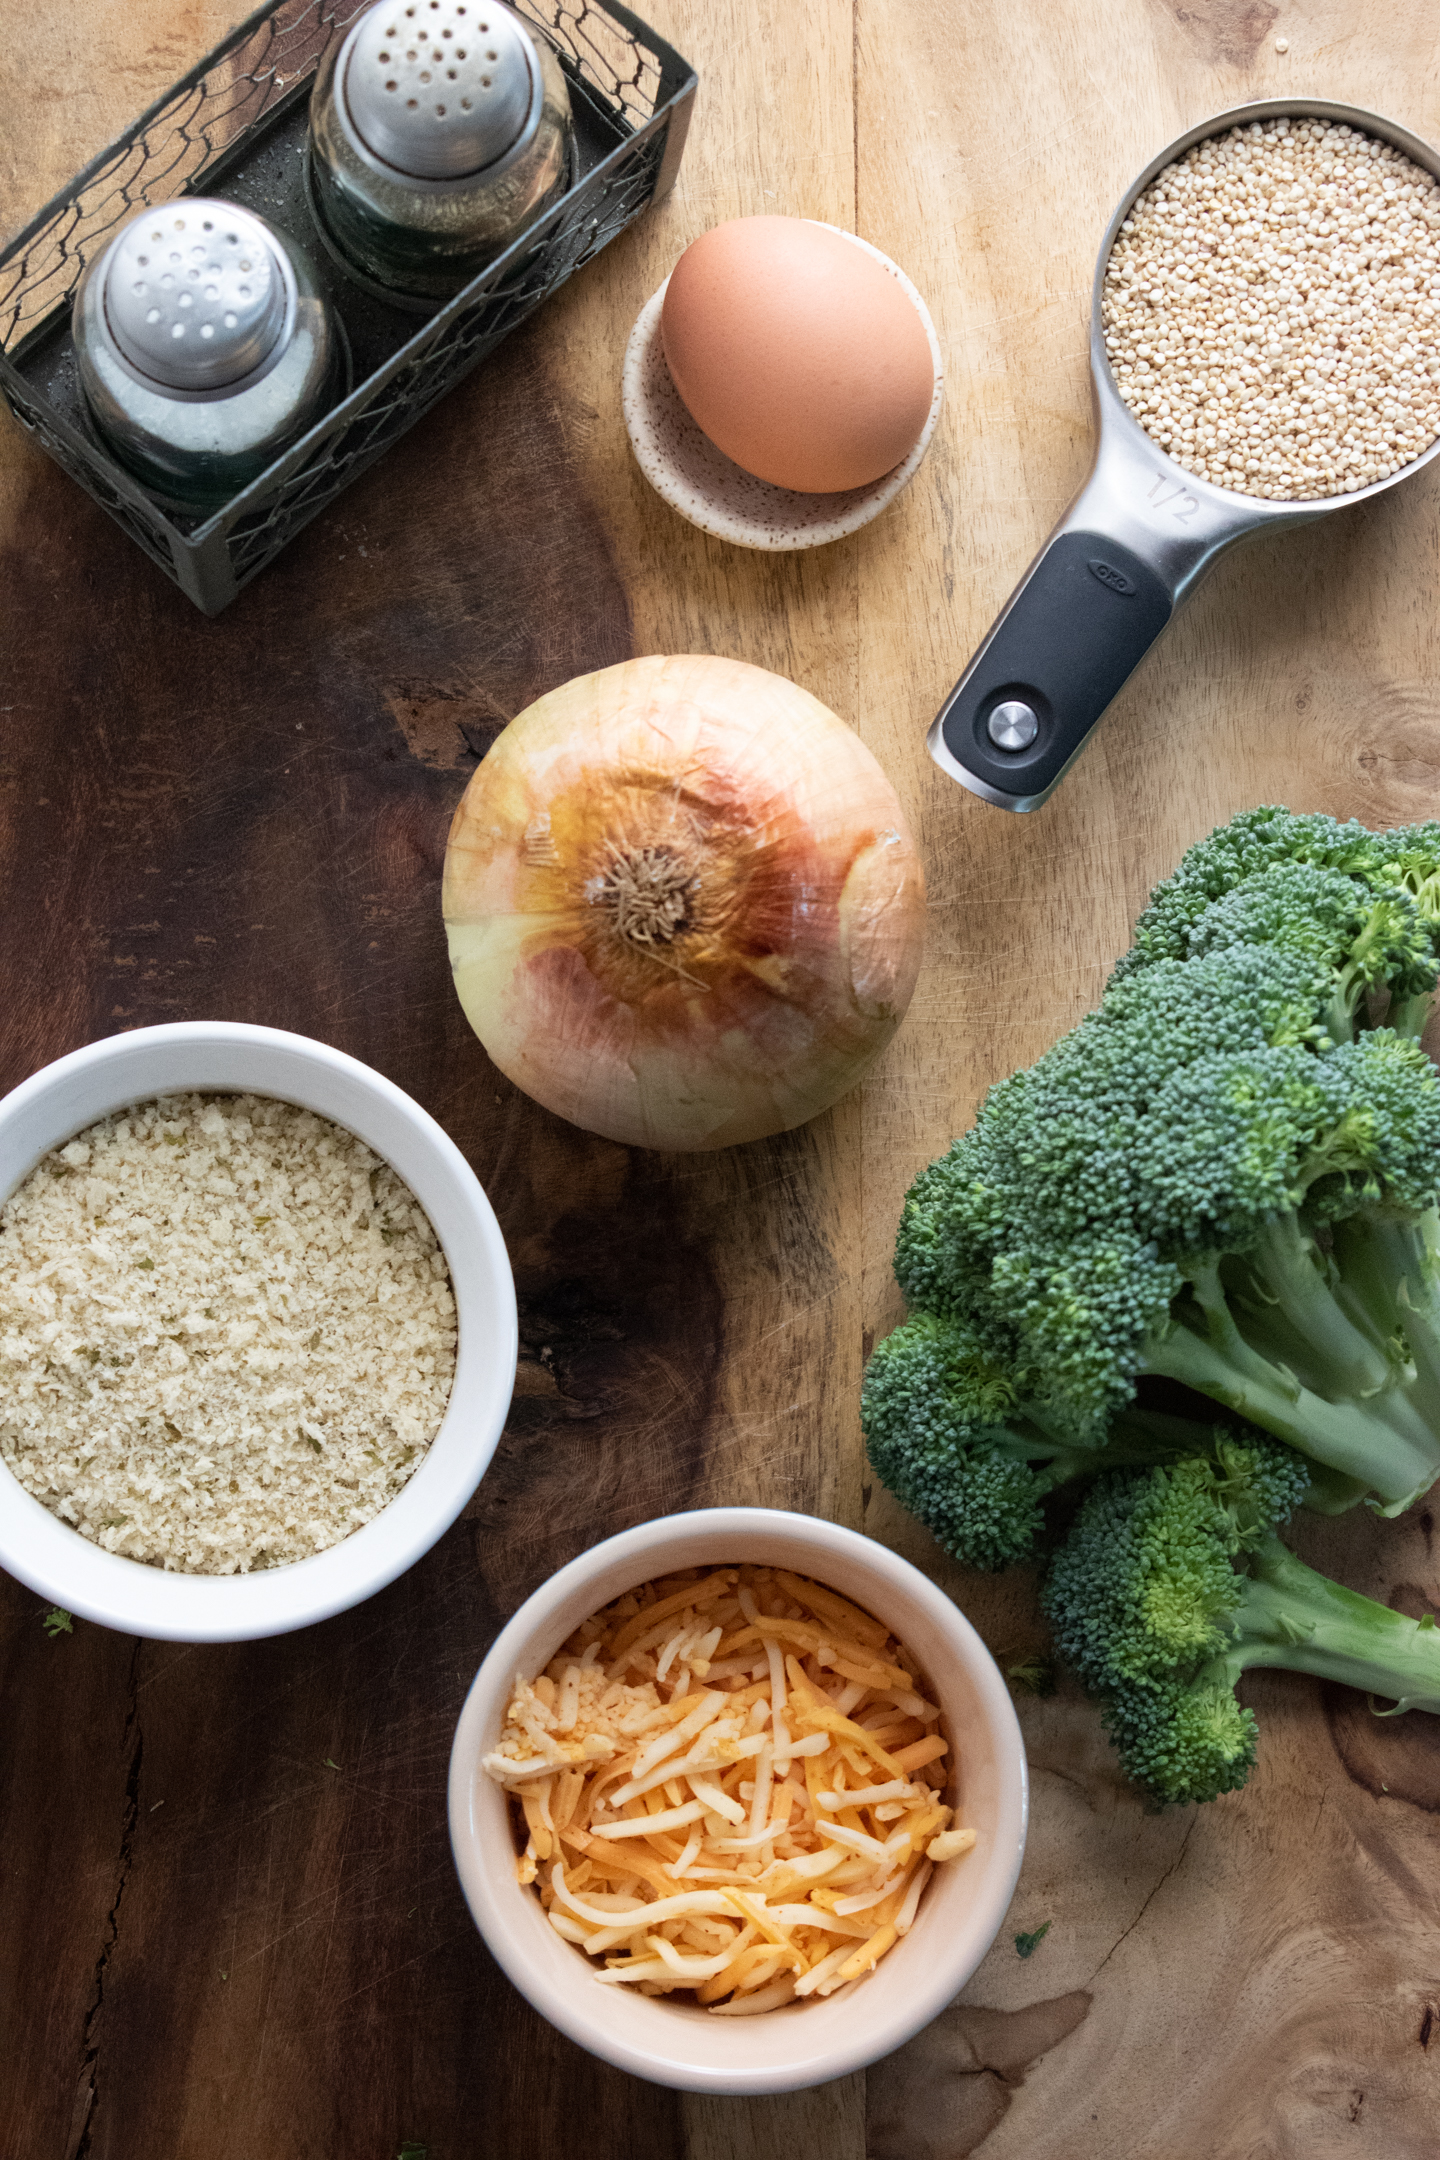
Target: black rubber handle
{"points": [[1077, 629]]}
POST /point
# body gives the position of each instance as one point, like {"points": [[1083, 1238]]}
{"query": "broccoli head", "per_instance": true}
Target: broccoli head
{"points": [[1223, 1180], [1172, 1583], [1185, 1186]]}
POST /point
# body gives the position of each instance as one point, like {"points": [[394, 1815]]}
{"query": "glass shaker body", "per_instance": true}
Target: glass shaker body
{"points": [[422, 238], [198, 446]]}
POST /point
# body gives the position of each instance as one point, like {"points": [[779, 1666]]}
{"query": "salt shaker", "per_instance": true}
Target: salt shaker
{"points": [[439, 130], [204, 348]]}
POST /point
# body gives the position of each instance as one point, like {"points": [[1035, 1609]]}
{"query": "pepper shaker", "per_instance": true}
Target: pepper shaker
{"points": [[439, 130], [204, 348]]}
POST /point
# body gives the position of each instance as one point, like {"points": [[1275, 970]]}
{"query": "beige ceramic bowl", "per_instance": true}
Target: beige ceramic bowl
{"points": [[808, 2043]]}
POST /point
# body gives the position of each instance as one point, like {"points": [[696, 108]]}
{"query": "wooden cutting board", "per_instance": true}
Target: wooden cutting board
{"points": [[229, 1926]]}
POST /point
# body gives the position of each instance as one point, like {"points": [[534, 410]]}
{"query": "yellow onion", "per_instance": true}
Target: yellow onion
{"points": [[683, 906]]}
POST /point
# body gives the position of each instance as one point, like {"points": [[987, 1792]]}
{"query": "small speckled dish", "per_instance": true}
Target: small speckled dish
{"points": [[687, 471]]}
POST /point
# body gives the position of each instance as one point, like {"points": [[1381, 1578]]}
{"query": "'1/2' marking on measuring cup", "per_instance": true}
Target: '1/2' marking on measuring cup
{"points": [[1181, 503]]}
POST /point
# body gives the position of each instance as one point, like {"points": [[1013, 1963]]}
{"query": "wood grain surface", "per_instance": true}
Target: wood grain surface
{"points": [[213, 1944]]}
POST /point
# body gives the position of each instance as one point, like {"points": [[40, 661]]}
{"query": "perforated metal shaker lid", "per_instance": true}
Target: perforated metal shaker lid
{"points": [[439, 88], [193, 294]]}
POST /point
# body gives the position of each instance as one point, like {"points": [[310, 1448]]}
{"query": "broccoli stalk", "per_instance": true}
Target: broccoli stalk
{"points": [[1292, 1616], [1172, 1583], [1335, 1352]]}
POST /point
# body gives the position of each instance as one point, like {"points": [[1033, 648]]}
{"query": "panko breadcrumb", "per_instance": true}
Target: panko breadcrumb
{"points": [[227, 1334], [729, 1786]]}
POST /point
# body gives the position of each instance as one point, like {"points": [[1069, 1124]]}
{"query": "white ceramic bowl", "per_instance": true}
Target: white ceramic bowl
{"points": [[230, 1058], [679, 2044], [709, 490]]}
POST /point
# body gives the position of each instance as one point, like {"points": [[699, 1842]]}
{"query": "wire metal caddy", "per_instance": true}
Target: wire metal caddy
{"points": [[235, 126]]}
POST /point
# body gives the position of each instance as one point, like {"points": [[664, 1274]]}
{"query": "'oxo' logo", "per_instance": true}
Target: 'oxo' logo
{"points": [[1109, 575]]}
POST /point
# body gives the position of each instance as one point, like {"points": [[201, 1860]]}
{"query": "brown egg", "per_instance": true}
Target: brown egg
{"points": [[797, 353]]}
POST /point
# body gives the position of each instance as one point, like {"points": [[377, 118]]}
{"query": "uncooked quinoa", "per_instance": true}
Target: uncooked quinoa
{"points": [[1271, 310], [227, 1334]]}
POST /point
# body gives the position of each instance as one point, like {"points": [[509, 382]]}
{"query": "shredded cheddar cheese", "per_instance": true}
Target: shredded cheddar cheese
{"points": [[728, 1788]]}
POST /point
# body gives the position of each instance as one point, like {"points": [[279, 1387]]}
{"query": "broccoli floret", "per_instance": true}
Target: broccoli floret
{"points": [[1251, 844], [1370, 941], [944, 1433], [948, 1435], [1365, 905], [1410, 857], [1172, 1582]]}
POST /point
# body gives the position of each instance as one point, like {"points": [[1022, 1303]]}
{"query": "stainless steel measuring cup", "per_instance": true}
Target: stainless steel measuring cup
{"points": [[1132, 546]]}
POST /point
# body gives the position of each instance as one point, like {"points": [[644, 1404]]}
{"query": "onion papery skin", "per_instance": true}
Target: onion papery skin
{"points": [[799, 903]]}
